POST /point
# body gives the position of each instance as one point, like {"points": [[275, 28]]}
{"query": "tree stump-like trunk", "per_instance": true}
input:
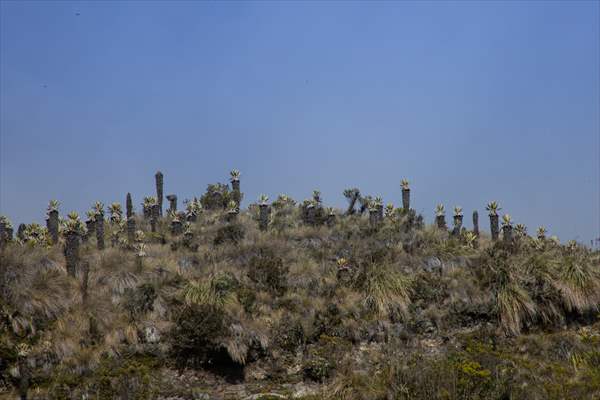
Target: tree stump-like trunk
{"points": [[263, 221], [494, 227], [406, 199], [72, 252], [130, 230], [441, 222], [100, 231], [129, 206], [159, 191], [52, 225], [458, 220]]}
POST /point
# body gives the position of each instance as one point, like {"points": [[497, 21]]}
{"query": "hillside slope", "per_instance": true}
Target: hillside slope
{"points": [[316, 304]]}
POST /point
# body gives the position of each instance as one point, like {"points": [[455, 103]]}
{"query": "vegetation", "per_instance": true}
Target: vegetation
{"points": [[223, 302]]}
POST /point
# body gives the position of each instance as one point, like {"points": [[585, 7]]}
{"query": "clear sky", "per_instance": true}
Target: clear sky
{"points": [[471, 101]]}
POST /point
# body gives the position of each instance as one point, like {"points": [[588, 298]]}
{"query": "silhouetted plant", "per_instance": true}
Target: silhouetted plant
{"points": [[476, 222], [129, 206], [73, 229], [493, 209], [90, 224], [6, 230], [236, 195], [263, 219], [507, 229], [405, 194], [116, 213], [176, 224], [172, 202], [352, 195], [458, 220], [159, 192], [52, 221], [99, 218], [440, 216]]}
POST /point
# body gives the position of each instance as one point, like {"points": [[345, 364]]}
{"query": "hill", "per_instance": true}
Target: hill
{"points": [[287, 300]]}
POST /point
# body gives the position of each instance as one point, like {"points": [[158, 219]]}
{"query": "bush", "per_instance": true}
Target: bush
{"points": [[196, 335], [217, 197], [140, 300], [266, 269], [234, 233]]}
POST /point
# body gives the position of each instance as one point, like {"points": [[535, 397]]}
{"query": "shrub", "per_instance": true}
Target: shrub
{"points": [[233, 232], [267, 270], [196, 336]]}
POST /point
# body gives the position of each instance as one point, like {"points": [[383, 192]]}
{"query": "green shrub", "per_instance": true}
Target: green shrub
{"points": [[267, 270]]}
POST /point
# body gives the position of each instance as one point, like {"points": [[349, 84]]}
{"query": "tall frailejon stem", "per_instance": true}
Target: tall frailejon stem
{"points": [[159, 191], [130, 230], [154, 214], [172, 202], [235, 186], [90, 224], [263, 218], [99, 209], [440, 216], [379, 206], [405, 194], [52, 221], [458, 220], [73, 230], [476, 222], [129, 206], [373, 214], [507, 229], [493, 209]]}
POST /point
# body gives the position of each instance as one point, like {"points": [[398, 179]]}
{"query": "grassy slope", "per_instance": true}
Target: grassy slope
{"points": [[275, 309]]}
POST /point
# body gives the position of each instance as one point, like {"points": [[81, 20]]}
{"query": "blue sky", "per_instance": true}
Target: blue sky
{"points": [[471, 101]]}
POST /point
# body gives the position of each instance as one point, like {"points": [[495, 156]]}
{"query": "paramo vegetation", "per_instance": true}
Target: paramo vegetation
{"points": [[290, 299]]}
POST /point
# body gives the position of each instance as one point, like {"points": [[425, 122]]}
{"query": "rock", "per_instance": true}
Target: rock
{"points": [[433, 264], [151, 334]]}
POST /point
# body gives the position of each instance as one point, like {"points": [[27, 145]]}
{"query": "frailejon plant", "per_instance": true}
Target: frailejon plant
{"points": [[373, 214], [159, 191], [541, 233], [405, 194], [470, 239], [176, 223], [172, 202], [507, 228], [116, 213], [234, 177], [493, 209], [6, 230], [379, 206], [440, 216], [476, 222], [331, 216], [73, 229], [232, 211], [131, 230], [90, 224], [193, 209], [129, 206], [99, 217], [149, 206], [458, 220], [52, 221], [352, 195], [263, 218]]}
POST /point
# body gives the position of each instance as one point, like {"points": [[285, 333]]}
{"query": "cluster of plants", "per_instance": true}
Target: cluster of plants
{"points": [[370, 302]]}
